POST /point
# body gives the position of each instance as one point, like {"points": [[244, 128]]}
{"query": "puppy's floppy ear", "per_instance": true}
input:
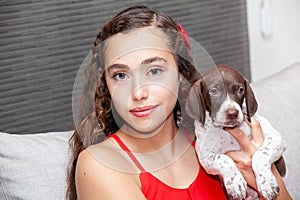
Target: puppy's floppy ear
{"points": [[250, 99], [197, 102]]}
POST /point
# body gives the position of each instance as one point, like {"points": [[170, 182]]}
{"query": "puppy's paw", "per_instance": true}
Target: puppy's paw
{"points": [[236, 185], [267, 185]]}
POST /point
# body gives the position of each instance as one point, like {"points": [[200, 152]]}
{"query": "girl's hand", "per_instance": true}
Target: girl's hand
{"points": [[243, 158]]}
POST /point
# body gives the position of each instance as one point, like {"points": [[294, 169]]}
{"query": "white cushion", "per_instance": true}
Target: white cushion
{"points": [[33, 166]]}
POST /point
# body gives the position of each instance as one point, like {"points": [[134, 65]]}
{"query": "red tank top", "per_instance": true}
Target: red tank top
{"points": [[205, 186]]}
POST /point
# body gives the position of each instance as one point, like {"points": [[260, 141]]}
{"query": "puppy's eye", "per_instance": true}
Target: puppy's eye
{"points": [[241, 90], [213, 91]]}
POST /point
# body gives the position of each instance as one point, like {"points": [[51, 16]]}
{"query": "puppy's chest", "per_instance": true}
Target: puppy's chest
{"points": [[214, 139]]}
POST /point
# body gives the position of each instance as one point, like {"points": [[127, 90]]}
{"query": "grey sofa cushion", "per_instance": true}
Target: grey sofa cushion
{"points": [[33, 167], [279, 101]]}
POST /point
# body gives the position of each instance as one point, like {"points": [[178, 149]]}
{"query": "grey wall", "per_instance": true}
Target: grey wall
{"points": [[42, 44]]}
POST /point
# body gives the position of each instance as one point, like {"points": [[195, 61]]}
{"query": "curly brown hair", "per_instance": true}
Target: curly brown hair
{"points": [[101, 119]]}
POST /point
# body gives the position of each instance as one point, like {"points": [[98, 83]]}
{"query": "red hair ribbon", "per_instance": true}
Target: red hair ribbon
{"points": [[185, 36]]}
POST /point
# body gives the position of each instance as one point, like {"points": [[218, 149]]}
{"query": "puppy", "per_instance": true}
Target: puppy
{"points": [[220, 99]]}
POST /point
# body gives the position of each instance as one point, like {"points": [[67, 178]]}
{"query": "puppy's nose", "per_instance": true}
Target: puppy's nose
{"points": [[232, 113]]}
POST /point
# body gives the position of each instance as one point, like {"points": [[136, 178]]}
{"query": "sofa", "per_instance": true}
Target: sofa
{"points": [[33, 166], [278, 99]]}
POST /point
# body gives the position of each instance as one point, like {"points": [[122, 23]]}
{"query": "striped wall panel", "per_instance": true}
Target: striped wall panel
{"points": [[42, 44]]}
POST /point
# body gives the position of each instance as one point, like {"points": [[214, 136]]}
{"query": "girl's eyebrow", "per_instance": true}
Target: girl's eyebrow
{"points": [[117, 66], [144, 62], [154, 59]]}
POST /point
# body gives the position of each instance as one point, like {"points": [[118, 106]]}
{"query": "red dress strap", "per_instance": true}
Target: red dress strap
{"points": [[192, 141], [126, 149]]}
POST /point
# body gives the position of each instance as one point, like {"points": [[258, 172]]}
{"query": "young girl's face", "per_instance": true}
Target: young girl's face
{"points": [[142, 78]]}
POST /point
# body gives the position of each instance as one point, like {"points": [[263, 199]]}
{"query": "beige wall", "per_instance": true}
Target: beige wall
{"points": [[269, 54]]}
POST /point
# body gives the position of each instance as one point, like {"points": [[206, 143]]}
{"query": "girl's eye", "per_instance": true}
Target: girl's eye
{"points": [[213, 91], [120, 76], [154, 71]]}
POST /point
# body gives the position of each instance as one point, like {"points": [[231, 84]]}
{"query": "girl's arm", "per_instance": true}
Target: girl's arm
{"points": [[97, 181]]}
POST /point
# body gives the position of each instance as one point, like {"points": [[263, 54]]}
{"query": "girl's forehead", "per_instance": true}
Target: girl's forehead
{"points": [[138, 39]]}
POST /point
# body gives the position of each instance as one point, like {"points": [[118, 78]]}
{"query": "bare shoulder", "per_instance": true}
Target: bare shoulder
{"points": [[98, 177]]}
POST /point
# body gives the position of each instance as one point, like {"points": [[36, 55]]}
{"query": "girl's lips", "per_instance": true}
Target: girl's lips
{"points": [[144, 111]]}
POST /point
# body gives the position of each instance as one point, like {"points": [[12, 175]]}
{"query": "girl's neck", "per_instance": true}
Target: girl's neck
{"points": [[151, 141]]}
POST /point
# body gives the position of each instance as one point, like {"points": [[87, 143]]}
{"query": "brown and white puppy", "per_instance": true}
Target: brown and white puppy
{"points": [[221, 98]]}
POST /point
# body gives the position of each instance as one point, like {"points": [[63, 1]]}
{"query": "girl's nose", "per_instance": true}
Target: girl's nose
{"points": [[139, 89]]}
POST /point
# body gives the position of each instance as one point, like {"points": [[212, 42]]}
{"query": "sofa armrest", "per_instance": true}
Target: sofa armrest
{"points": [[278, 99]]}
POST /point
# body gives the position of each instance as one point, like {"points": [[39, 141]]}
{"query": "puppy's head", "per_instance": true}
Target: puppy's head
{"points": [[221, 92]]}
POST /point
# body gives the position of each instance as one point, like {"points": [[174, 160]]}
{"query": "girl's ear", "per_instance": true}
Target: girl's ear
{"points": [[197, 102], [250, 99]]}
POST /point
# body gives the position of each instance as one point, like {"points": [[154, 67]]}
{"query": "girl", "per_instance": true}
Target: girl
{"points": [[142, 58]]}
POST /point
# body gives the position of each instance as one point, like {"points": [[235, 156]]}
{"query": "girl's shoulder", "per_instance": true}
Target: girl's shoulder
{"points": [[108, 154], [97, 174]]}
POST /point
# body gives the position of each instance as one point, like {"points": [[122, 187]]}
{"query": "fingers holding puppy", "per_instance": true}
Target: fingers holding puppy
{"points": [[248, 145], [243, 158], [256, 132]]}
